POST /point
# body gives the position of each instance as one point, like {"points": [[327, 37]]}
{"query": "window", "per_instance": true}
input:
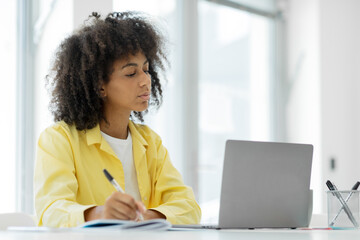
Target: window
{"points": [[235, 93], [48, 35], [8, 105]]}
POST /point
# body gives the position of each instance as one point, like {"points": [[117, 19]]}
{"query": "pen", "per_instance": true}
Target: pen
{"points": [[118, 188], [354, 188], [335, 192]]}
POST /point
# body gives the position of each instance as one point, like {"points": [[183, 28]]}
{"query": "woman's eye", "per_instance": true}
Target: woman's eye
{"points": [[131, 75]]}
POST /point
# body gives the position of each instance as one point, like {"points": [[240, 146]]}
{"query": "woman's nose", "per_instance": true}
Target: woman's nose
{"points": [[145, 79]]}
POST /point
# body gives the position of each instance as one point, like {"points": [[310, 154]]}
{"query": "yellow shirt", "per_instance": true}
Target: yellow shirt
{"points": [[68, 176]]}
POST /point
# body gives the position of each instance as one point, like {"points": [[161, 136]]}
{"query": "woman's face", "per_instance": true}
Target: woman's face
{"points": [[129, 85]]}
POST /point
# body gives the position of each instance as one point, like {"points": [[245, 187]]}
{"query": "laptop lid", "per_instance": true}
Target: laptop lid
{"points": [[266, 185]]}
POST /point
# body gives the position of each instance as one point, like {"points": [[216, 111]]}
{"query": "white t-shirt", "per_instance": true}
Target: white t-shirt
{"points": [[123, 150]]}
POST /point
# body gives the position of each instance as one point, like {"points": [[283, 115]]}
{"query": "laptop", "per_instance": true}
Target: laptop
{"points": [[265, 185]]}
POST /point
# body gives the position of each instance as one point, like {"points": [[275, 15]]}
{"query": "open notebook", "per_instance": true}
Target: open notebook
{"points": [[154, 224]]}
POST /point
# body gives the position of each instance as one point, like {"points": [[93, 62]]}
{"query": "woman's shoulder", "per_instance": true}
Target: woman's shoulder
{"points": [[61, 128], [145, 131]]}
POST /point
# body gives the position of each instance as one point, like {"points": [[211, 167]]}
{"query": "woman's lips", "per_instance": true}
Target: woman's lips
{"points": [[145, 96]]}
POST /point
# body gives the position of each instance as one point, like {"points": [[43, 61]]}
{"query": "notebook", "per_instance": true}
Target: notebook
{"points": [[153, 224], [265, 185]]}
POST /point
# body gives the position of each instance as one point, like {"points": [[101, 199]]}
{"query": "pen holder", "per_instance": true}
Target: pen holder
{"points": [[343, 209]]}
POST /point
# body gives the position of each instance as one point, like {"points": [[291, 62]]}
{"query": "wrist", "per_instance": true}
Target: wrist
{"points": [[93, 213], [153, 214]]}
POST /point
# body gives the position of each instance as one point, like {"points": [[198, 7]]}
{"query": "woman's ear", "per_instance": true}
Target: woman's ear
{"points": [[102, 91]]}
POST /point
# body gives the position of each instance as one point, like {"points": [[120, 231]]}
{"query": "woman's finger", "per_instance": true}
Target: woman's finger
{"points": [[120, 206]]}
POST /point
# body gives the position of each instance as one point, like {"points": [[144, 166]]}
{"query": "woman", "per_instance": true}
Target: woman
{"points": [[105, 75]]}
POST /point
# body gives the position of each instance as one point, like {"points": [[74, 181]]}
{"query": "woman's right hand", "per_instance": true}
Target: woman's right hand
{"points": [[117, 206]]}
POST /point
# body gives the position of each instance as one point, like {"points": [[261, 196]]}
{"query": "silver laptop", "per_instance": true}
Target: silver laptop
{"points": [[265, 185]]}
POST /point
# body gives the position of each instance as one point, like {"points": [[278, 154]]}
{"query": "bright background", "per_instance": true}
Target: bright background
{"points": [[269, 70]]}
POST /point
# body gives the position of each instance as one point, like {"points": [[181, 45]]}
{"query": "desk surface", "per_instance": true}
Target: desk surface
{"points": [[188, 235]]}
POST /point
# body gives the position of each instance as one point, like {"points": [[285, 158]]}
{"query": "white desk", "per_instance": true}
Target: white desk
{"points": [[188, 235]]}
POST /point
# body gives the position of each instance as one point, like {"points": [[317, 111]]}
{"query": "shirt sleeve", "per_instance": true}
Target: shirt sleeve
{"points": [[178, 202], [55, 183]]}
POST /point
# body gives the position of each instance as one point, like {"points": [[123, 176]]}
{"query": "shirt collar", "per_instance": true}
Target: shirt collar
{"points": [[135, 134], [93, 135]]}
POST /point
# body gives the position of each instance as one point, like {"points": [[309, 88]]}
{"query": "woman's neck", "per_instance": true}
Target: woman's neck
{"points": [[115, 125]]}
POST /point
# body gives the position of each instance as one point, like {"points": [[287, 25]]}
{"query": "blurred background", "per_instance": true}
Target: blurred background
{"points": [[264, 70]]}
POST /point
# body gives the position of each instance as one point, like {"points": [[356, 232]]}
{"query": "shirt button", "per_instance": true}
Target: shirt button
{"points": [[145, 198]]}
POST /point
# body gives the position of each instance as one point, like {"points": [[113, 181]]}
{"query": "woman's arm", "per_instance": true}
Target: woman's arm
{"points": [[177, 200], [55, 183], [56, 186]]}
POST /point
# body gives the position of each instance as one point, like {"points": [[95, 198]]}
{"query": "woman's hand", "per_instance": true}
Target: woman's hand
{"points": [[117, 206]]}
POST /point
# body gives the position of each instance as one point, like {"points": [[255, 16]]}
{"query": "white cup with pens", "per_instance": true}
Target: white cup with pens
{"points": [[343, 207]]}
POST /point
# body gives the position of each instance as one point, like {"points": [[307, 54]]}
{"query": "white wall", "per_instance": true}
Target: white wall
{"points": [[324, 105], [340, 74], [83, 8]]}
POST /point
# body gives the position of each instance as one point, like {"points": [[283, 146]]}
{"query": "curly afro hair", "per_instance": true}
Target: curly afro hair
{"points": [[83, 62]]}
